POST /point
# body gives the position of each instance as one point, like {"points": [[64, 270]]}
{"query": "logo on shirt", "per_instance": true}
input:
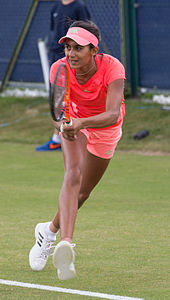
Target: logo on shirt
{"points": [[86, 91], [109, 152]]}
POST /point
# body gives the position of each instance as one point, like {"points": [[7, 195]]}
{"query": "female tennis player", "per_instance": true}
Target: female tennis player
{"points": [[97, 110]]}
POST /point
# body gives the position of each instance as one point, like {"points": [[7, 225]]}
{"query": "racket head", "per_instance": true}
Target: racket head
{"points": [[60, 95]]}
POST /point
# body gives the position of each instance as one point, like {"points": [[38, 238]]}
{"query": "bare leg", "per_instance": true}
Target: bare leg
{"points": [[92, 169], [68, 199]]}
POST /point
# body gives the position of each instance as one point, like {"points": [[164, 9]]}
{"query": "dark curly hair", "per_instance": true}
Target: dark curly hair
{"points": [[88, 25]]}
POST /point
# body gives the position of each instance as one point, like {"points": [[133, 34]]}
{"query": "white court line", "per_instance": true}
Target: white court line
{"points": [[64, 290]]}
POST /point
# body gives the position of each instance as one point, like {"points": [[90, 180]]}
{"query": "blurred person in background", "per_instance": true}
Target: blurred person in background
{"points": [[61, 14]]}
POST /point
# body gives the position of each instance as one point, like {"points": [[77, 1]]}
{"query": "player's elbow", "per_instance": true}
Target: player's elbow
{"points": [[113, 117]]}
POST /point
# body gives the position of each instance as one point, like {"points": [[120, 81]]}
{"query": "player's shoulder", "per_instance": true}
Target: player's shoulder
{"points": [[109, 59], [57, 63], [111, 64]]}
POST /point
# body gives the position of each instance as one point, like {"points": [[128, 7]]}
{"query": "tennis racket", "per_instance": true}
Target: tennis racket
{"points": [[60, 96]]}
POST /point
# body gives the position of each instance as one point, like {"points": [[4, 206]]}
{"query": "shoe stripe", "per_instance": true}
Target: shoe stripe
{"points": [[41, 235], [38, 244]]}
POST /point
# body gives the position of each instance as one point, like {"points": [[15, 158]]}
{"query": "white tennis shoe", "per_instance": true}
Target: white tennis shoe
{"points": [[63, 260], [42, 249]]}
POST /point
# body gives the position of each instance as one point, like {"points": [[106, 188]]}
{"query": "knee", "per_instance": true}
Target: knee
{"points": [[73, 176]]}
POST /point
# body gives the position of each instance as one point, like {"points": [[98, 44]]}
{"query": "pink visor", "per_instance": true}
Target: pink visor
{"points": [[81, 36]]}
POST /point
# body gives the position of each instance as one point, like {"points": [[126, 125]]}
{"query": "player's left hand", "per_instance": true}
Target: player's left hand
{"points": [[70, 132]]}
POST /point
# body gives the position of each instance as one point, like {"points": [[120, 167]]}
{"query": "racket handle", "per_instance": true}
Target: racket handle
{"points": [[66, 124]]}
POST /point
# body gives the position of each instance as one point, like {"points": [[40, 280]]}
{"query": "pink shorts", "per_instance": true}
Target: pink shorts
{"points": [[102, 143]]}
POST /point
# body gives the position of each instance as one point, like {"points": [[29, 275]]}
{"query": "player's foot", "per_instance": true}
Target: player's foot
{"points": [[63, 260], [43, 248], [49, 146]]}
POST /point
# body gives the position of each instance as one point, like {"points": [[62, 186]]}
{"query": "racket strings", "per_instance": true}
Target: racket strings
{"points": [[60, 96]]}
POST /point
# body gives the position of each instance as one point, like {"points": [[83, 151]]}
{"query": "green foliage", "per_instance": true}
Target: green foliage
{"points": [[140, 116], [30, 123]]}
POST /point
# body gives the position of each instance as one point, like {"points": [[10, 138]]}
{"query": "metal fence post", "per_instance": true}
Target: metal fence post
{"points": [[132, 45], [19, 44], [123, 40]]}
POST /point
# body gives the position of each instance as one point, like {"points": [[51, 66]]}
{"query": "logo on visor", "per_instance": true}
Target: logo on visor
{"points": [[74, 30]]}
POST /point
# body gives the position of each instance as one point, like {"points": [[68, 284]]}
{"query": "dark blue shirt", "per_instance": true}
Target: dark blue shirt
{"points": [[60, 16]]}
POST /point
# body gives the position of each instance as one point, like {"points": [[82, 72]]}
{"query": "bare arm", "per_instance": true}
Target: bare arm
{"points": [[113, 103], [105, 119]]}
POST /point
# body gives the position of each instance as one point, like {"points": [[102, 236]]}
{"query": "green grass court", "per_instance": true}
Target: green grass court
{"points": [[122, 232]]}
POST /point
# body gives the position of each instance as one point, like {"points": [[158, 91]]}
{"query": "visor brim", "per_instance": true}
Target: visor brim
{"points": [[79, 40]]}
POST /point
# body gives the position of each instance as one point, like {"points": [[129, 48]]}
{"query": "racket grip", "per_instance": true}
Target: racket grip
{"points": [[66, 124]]}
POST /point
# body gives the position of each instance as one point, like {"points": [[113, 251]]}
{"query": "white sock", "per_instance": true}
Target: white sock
{"points": [[51, 235], [56, 138]]}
